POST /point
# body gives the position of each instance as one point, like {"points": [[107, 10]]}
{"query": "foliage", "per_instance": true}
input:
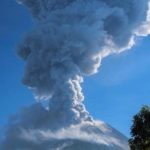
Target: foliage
{"points": [[140, 130]]}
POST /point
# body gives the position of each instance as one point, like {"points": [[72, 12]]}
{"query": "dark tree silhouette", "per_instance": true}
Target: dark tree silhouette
{"points": [[140, 130]]}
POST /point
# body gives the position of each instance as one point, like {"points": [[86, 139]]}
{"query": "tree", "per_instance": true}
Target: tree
{"points": [[140, 130]]}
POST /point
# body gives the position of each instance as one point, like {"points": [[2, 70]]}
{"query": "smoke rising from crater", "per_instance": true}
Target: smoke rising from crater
{"points": [[69, 41]]}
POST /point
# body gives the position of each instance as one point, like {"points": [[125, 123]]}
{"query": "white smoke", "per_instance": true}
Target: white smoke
{"points": [[70, 40]]}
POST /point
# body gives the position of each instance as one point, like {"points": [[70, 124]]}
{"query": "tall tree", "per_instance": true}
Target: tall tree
{"points": [[140, 130]]}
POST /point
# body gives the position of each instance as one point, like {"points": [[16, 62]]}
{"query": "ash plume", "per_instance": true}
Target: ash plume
{"points": [[69, 41]]}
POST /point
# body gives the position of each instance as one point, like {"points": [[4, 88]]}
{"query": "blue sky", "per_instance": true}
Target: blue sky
{"points": [[113, 95]]}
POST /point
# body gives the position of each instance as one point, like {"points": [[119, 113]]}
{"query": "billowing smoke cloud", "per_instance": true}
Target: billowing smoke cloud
{"points": [[69, 41]]}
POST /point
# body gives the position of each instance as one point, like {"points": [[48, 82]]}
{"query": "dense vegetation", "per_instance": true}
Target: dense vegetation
{"points": [[140, 130]]}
